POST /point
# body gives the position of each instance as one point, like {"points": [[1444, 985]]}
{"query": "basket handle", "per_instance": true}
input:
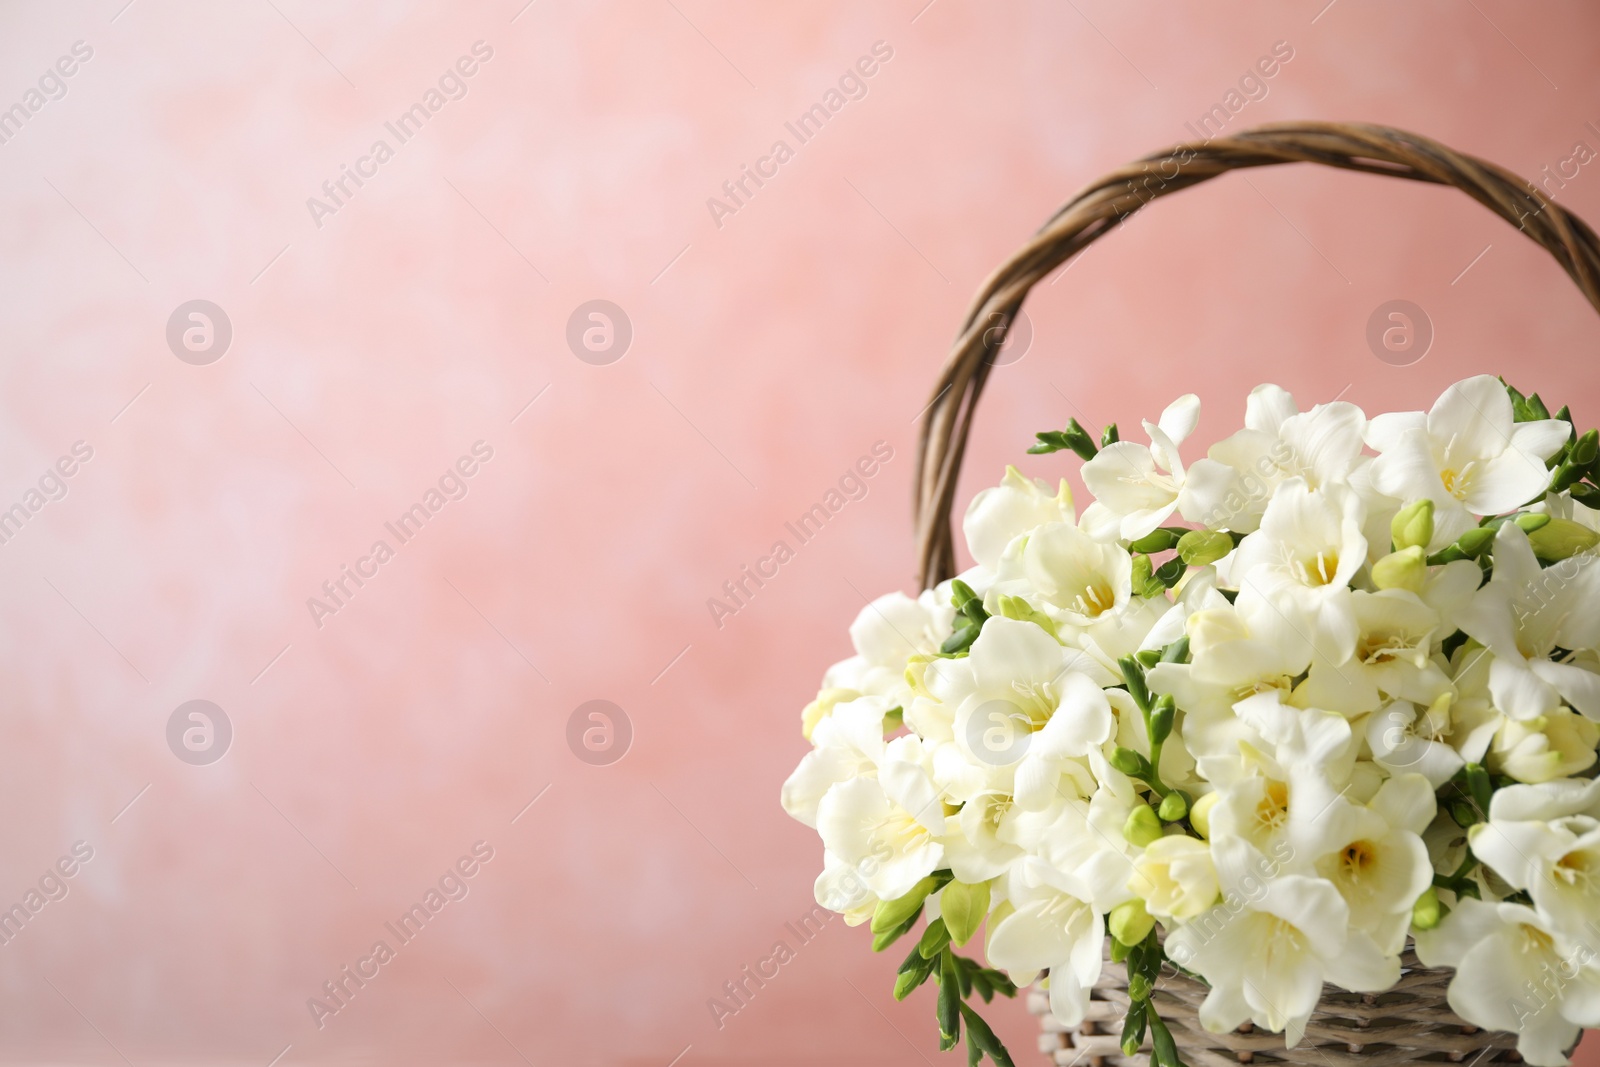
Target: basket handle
{"points": [[1095, 210]]}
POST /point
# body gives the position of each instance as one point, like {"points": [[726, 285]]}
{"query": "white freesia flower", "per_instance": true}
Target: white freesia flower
{"points": [[1024, 706], [1269, 947], [848, 744], [1002, 513], [1136, 486], [1379, 864], [1523, 614], [1231, 486], [1395, 632], [1546, 839], [1467, 455], [840, 888], [1050, 929], [1175, 877], [1301, 560], [889, 827], [1557, 745], [981, 842], [886, 634], [1513, 972], [1405, 737]]}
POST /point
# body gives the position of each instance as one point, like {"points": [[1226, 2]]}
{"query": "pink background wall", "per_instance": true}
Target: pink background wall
{"points": [[768, 353]]}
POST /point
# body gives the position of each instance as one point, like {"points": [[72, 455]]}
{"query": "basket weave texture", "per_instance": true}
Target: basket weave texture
{"points": [[1409, 1023], [1412, 1022]]}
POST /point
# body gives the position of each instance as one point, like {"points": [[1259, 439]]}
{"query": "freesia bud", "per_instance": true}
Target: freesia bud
{"points": [[890, 914], [1143, 826], [1474, 541], [1406, 569], [1130, 763], [1427, 912], [963, 908], [1530, 521], [1561, 539], [1200, 813], [1414, 525], [1174, 806], [1129, 922], [1161, 719], [1200, 547]]}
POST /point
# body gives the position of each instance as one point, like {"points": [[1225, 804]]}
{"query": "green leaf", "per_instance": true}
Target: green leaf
{"points": [[964, 906], [979, 1031], [1177, 652], [1164, 1051], [1074, 437]]}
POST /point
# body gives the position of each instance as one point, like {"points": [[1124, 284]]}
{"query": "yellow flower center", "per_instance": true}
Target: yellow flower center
{"points": [[1272, 810], [1094, 599], [1318, 571], [1358, 858]]}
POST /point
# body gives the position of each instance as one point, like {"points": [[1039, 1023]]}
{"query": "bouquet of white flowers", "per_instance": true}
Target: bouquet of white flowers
{"points": [[1349, 701]]}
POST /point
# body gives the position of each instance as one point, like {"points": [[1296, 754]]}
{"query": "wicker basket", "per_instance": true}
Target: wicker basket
{"points": [[1407, 1024], [1410, 1023]]}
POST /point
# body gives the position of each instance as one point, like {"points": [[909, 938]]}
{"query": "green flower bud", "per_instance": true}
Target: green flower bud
{"points": [[934, 939], [1161, 717], [1427, 912], [1530, 521], [1405, 569], [1174, 806], [1145, 582], [1200, 813], [1138, 987], [1129, 922], [890, 914], [1586, 448], [1130, 762], [1133, 675], [1414, 525], [1474, 541], [1200, 547], [1561, 539], [1143, 826], [960, 594], [963, 908], [1157, 540]]}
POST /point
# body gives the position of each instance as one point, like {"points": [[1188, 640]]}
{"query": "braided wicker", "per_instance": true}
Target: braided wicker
{"points": [[1410, 1023], [1407, 1024]]}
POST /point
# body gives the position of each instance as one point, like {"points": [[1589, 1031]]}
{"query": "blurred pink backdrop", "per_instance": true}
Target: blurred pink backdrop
{"points": [[377, 339]]}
